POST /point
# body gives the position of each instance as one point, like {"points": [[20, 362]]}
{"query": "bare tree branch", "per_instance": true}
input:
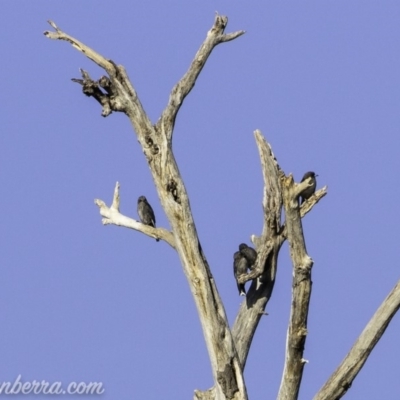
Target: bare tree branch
{"points": [[307, 206], [301, 291], [259, 269], [112, 216], [91, 88], [268, 246], [260, 292], [227, 350], [273, 235], [214, 37], [157, 147], [91, 54], [124, 97], [341, 380]]}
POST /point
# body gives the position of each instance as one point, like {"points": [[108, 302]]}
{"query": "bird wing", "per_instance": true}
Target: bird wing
{"points": [[250, 254], [240, 266]]}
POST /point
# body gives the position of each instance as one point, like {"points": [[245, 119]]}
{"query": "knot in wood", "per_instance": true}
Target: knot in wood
{"points": [[172, 188], [148, 140], [155, 149]]}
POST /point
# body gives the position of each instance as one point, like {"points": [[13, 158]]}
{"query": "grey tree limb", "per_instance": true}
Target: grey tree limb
{"points": [[120, 95], [306, 207], [214, 37], [301, 291], [113, 216], [341, 380], [264, 272], [91, 54], [228, 352], [268, 246]]}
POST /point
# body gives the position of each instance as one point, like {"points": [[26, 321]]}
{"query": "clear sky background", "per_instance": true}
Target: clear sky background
{"points": [[80, 301]]}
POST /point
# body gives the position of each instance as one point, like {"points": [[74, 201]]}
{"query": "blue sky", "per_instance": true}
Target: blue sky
{"points": [[84, 302]]}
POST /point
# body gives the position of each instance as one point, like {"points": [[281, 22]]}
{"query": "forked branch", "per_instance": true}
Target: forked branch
{"points": [[155, 140], [268, 246], [214, 37], [112, 216], [228, 351]]}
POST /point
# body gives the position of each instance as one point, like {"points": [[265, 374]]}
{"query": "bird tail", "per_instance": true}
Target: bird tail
{"points": [[242, 290]]}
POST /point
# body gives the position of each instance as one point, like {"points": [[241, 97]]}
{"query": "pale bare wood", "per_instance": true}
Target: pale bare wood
{"points": [[227, 359], [301, 291], [268, 246], [112, 216], [156, 145], [214, 37], [260, 292], [341, 380], [306, 207], [91, 54]]}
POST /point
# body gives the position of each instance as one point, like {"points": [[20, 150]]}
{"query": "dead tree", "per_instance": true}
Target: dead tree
{"points": [[227, 347]]}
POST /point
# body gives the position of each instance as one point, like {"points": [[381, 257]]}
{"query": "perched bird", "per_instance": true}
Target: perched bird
{"points": [[146, 213], [307, 193], [240, 266], [248, 253]]}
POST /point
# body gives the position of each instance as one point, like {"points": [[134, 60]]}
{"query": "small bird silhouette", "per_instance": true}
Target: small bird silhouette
{"points": [[307, 193], [248, 253], [146, 213], [240, 266]]}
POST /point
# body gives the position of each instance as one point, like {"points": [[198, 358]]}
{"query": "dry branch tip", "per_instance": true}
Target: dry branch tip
{"points": [[116, 198], [53, 24]]}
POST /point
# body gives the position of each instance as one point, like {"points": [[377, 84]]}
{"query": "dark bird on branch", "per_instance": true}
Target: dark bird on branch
{"points": [[240, 266], [146, 213], [248, 253], [307, 193]]}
